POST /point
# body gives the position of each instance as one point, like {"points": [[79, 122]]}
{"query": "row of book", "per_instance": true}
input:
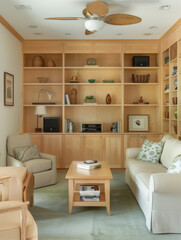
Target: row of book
{"points": [[69, 126], [116, 127], [90, 193]]}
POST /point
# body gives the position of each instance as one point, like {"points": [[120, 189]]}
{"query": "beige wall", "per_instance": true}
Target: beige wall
{"points": [[10, 61]]}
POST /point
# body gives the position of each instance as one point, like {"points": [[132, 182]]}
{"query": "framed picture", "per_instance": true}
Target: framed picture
{"points": [[137, 123], [8, 89]]}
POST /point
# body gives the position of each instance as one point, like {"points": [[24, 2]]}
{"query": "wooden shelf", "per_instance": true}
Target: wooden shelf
{"points": [[141, 105], [42, 84], [142, 84], [42, 68], [141, 68], [47, 105], [93, 105], [93, 68], [93, 84]]}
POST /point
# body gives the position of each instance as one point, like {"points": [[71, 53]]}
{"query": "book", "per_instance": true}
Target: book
{"points": [[88, 166], [67, 99], [90, 198], [87, 190]]}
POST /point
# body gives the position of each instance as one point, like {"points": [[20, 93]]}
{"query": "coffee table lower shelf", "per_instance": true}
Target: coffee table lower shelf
{"points": [[78, 202]]}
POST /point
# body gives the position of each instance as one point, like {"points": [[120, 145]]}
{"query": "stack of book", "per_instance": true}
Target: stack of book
{"points": [[89, 164], [116, 127], [90, 100], [69, 126], [89, 193]]}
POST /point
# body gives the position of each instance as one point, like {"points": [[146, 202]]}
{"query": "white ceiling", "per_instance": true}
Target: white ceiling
{"points": [[148, 10]]}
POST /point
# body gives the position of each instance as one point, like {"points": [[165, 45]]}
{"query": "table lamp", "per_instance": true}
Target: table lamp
{"points": [[40, 110]]}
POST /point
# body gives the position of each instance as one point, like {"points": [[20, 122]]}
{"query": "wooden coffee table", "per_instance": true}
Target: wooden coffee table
{"points": [[99, 176]]}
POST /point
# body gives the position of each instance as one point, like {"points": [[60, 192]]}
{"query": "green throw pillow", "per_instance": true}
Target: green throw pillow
{"points": [[24, 154], [175, 167], [150, 151]]}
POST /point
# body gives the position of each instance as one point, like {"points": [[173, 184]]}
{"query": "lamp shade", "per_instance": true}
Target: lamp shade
{"points": [[40, 110], [94, 25]]}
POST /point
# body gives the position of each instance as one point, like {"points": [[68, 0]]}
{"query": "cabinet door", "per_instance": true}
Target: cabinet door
{"points": [[36, 139], [72, 149], [52, 144], [113, 146], [93, 147]]}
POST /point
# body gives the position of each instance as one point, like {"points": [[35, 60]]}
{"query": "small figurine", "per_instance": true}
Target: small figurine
{"points": [[141, 100], [74, 77], [73, 96]]}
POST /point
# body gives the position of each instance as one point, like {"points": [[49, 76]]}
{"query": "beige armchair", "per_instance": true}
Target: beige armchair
{"points": [[16, 222], [44, 168]]}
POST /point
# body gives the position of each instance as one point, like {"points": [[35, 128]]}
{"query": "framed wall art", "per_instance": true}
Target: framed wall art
{"points": [[138, 123], [8, 89]]}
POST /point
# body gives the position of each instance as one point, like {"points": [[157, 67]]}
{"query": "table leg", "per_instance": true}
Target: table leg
{"points": [[71, 194], [107, 196]]}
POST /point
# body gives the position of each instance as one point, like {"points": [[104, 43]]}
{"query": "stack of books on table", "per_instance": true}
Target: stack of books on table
{"points": [[89, 164], [90, 193]]}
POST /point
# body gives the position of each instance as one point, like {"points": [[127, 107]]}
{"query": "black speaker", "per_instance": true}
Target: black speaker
{"points": [[141, 61], [51, 124]]}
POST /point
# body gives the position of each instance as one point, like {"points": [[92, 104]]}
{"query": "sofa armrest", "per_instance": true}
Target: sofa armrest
{"points": [[51, 157], [132, 152], [165, 183], [11, 161]]}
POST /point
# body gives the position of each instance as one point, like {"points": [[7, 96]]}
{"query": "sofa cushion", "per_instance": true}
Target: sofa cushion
{"points": [[24, 154], [135, 167], [171, 149], [38, 165], [175, 167], [150, 151]]}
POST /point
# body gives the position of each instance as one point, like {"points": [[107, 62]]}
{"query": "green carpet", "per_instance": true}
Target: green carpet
{"points": [[126, 222]]}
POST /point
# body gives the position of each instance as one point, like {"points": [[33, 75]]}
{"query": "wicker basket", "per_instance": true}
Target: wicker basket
{"points": [[140, 78]]}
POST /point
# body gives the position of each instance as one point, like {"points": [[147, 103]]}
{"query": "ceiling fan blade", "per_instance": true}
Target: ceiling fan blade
{"points": [[65, 18], [97, 7], [121, 19], [87, 32]]}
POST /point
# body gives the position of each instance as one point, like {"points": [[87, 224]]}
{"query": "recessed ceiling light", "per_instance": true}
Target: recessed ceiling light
{"points": [[147, 34], [33, 26], [37, 33], [153, 27], [67, 34], [119, 34], [165, 7], [22, 7]]}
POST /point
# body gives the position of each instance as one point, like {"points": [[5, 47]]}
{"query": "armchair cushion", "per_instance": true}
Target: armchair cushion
{"points": [[26, 153], [38, 165]]}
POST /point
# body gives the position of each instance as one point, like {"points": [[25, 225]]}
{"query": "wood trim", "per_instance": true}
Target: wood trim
{"points": [[171, 30], [11, 29]]}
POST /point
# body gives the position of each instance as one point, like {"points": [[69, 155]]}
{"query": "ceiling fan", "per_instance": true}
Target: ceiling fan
{"points": [[95, 16]]}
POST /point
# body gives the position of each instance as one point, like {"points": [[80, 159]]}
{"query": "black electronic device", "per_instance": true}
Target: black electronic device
{"points": [[141, 61], [91, 127], [51, 124]]}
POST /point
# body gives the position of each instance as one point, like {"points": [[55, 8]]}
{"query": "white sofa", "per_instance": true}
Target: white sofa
{"points": [[157, 192]]}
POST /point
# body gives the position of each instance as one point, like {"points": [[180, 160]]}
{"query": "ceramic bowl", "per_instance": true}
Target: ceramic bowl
{"points": [[91, 80]]}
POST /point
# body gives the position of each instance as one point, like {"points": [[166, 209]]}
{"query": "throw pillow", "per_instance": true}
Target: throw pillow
{"points": [[175, 167], [24, 154], [150, 151]]}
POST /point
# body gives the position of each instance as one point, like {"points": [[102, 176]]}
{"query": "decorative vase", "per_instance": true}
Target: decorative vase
{"points": [[50, 63], [38, 61], [108, 99], [73, 96], [175, 113]]}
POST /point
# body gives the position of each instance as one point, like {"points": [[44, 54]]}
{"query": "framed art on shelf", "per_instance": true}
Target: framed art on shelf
{"points": [[138, 123], [8, 89]]}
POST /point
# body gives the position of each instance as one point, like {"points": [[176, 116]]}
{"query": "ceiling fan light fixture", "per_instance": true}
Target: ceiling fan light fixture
{"points": [[94, 25]]}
